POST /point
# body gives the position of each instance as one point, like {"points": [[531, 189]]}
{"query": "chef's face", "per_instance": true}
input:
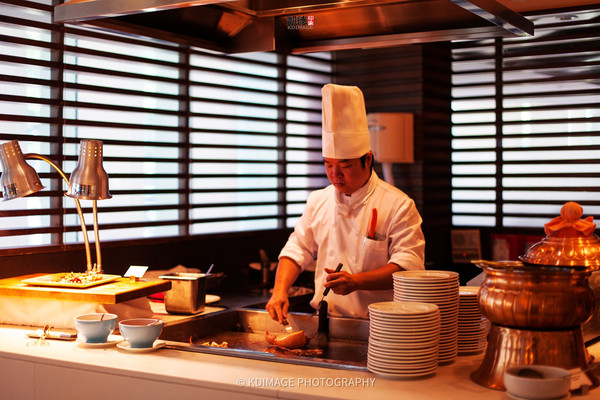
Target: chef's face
{"points": [[348, 175]]}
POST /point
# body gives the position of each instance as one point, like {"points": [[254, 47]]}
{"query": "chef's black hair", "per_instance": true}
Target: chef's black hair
{"points": [[363, 160]]}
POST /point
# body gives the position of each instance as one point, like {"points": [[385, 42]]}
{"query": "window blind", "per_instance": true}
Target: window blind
{"points": [[526, 123], [195, 142]]}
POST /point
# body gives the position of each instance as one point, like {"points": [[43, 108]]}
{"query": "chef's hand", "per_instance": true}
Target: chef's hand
{"points": [[340, 282], [278, 307], [287, 273], [378, 279]]}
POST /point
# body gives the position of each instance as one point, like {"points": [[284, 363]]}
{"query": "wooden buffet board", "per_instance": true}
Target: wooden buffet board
{"points": [[117, 291]]}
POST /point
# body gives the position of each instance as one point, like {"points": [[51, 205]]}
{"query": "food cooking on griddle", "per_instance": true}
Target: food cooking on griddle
{"points": [[294, 340], [215, 344], [296, 352]]}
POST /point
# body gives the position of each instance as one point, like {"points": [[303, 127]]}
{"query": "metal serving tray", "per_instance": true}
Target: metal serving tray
{"points": [[244, 331]]}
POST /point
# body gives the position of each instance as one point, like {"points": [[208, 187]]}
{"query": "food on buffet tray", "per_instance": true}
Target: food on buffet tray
{"points": [[294, 340], [215, 344], [296, 352], [77, 277]]}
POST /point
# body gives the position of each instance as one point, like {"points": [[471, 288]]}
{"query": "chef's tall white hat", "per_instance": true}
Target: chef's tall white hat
{"points": [[345, 131]]}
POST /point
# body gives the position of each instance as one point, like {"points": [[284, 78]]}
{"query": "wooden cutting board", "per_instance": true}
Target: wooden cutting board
{"points": [[113, 292]]}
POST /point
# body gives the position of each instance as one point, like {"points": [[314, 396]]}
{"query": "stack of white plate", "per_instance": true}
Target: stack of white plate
{"points": [[435, 287], [472, 326], [403, 339]]}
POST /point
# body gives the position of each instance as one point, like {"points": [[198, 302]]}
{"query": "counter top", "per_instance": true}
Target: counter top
{"points": [[188, 374], [118, 291]]}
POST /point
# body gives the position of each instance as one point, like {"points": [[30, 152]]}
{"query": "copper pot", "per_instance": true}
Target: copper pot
{"points": [[551, 298], [581, 252]]}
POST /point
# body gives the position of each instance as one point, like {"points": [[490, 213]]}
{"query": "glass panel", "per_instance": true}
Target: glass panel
{"points": [[525, 169], [551, 196], [548, 134], [36, 239], [551, 209], [470, 220], [473, 208], [129, 95]]}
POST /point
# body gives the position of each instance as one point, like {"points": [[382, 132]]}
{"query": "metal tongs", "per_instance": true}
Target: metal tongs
{"points": [[325, 293], [286, 324]]}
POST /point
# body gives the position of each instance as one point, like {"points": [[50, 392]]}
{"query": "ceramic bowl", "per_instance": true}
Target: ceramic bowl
{"points": [[141, 332], [95, 327], [537, 382]]}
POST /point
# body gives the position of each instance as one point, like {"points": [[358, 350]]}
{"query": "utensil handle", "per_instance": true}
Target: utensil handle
{"points": [[339, 267], [372, 224], [209, 269]]}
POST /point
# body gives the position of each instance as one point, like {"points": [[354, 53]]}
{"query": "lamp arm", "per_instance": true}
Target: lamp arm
{"points": [[97, 238], [79, 211]]}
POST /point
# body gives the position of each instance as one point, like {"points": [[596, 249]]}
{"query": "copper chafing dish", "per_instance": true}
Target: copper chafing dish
{"points": [[537, 305]]}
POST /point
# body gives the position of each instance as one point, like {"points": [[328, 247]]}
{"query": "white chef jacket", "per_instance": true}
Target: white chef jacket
{"points": [[333, 230]]}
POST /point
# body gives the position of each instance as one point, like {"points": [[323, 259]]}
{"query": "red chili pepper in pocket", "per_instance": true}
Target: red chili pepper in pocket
{"points": [[372, 224]]}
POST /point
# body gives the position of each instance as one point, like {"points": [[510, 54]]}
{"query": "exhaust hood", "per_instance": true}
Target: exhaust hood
{"points": [[298, 26]]}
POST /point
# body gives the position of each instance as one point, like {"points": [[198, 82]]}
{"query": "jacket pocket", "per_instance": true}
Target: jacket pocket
{"points": [[374, 254]]}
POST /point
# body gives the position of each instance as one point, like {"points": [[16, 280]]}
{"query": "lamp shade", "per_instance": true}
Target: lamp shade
{"points": [[18, 178], [89, 180]]}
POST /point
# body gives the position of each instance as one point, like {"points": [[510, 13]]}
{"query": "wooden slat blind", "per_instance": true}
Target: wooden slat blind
{"points": [[526, 123], [194, 142]]}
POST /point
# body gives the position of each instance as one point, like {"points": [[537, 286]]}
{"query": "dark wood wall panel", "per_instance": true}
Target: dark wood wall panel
{"points": [[413, 79]]}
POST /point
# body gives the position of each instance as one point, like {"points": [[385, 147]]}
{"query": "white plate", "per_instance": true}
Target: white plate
{"points": [[124, 345], [395, 352], [389, 328], [428, 299], [386, 356], [396, 341], [402, 308], [380, 327], [474, 314], [425, 346], [402, 366], [449, 286], [211, 298], [374, 366], [469, 307], [426, 275], [55, 280], [436, 289], [406, 330], [417, 319], [433, 287], [111, 341], [404, 375], [405, 325], [395, 319]]}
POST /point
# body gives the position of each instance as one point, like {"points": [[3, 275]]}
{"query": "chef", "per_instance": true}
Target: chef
{"points": [[339, 224]]}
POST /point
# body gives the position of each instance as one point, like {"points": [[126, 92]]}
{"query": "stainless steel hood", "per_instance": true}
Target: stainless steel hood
{"points": [[298, 26]]}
